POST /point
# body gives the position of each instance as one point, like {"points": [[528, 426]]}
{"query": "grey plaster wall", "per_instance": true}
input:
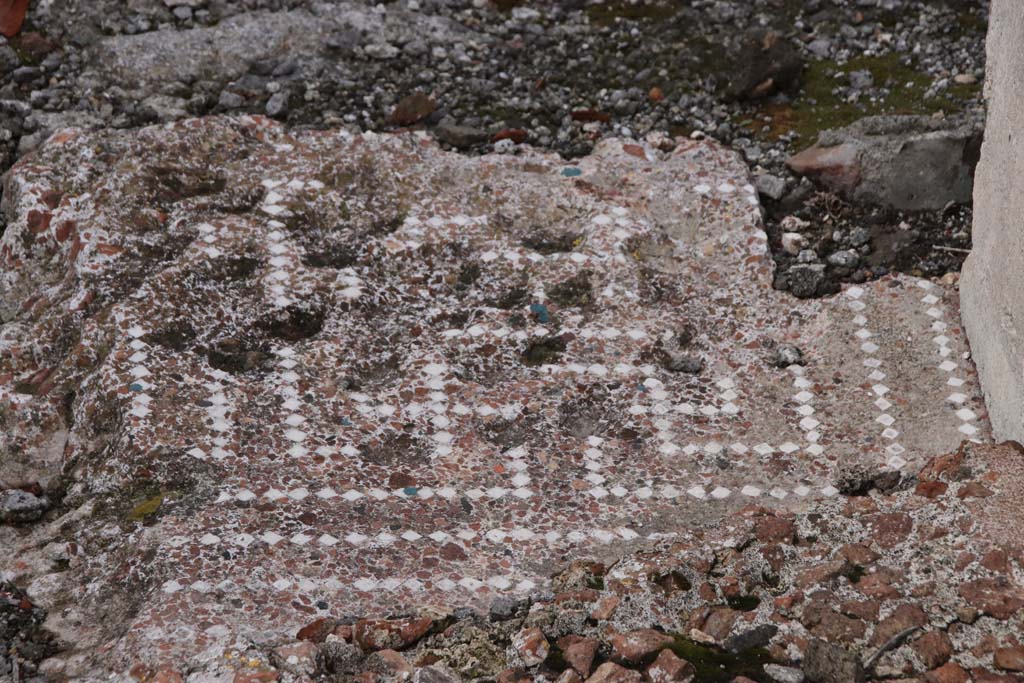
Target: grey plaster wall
{"points": [[992, 287]]}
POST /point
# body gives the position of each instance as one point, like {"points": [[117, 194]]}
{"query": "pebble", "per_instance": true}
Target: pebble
{"points": [[17, 506], [858, 237], [860, 80], [9, 60], [820, 47], [690, 364], [846, 258], [786, 355], [807, 256], [503, 607], [792, 243], [277, 105], [24, 74], [230, 100], [805, 279], [784, 674], [435, 673], [771, 186], [457, 136]]}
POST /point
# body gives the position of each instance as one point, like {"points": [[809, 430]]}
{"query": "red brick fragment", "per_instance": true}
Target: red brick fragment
{"points": [[669, 668], [635, 646], [380, 634], [1009, 658], [947, 673], [610, 672], [934, 648], [316, 631]]}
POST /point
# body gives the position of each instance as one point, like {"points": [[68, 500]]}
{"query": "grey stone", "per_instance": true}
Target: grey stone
{"points": [[503, 607], [688, 364], [786, 355], [861, 79], [285, 68], [18, 506], [828, 663], [765, 63], [993, 276], [770, 186], [820, 47], [15, 108], [24, 74], [759, 636], [381, 51], [805, 279], [27, 143], [807, 256], [341, 657], [459, 136], [911, 163], [230, 100], [277, 105], [166, 108], [435, 674], [792, 243], [784, 674], [847, 258], [857, 479], [8, 59], [342, 40], [859, 237]]}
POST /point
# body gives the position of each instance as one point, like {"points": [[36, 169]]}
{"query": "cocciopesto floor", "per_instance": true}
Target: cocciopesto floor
{"points": [[409, 410]]}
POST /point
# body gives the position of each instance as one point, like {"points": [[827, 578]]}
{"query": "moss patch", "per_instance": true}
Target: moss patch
{"points": [[744, 603], [718, 666], [818, 108], [146, 508], [544, 351]]}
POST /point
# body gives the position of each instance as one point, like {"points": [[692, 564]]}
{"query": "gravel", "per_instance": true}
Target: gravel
{"points": [[562, 76]]}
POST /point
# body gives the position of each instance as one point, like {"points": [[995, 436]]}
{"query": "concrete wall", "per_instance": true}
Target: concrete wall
{"points": [[992, 288]]}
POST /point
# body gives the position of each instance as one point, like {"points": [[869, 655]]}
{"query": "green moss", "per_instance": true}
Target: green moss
{"points": [[27, 55], [146, 508], [818, 109], [744, 603], [544, 351], [967, 22], [855, 573], [671, 582], [556, 661], [718, 666], [574, 292], [26, 388]]}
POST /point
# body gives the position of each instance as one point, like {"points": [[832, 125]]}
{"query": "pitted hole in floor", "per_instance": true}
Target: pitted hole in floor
{"points": [[293, 323]]}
